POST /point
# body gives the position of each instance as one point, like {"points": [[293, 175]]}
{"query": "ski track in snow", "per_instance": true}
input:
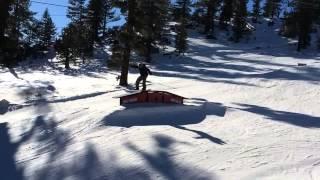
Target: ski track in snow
{"points": [[268, 127]]}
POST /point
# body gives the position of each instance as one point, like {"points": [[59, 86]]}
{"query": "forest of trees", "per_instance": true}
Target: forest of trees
{"points": [[147, 27]]}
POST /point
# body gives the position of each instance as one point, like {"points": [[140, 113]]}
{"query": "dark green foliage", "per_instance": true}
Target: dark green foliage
{"points": [[256, 10], [65, 45], [289, 27], [76, 11], [181, 38], [94, 20], [317, 20], [5, 6], [151, 18], [239, 24], [305, 16], [183, 8], [47, 30], [116, 49], [108, 14], [16, 18], [272, 8], [300, 21], [208, 9], [226, 13]]}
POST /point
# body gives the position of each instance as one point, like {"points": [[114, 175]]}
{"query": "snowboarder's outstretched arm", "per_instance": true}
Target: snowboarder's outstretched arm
{"points": [[149, 72]]}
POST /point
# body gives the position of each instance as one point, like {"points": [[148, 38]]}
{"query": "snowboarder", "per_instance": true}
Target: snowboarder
{"points": [[144, 72]]}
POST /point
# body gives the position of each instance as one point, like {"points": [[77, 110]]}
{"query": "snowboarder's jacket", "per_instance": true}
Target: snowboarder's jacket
{"points": [[144, 71]]}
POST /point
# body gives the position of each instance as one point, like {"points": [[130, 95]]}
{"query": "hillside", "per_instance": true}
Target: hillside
{"points": [[252, 113]]}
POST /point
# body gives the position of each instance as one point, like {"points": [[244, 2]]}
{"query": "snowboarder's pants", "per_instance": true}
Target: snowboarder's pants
{"points": [[144, 81]]}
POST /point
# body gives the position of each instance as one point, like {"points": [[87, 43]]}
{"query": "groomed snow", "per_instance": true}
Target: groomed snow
{"points": [[251, 114]]}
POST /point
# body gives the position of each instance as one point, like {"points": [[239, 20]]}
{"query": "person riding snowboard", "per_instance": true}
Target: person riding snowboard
{"points": [[144, 72]]}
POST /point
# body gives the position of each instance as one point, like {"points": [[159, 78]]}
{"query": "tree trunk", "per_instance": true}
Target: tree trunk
{"points": [[104, 24], [127, 50], [4, 14], [67, 61], [148, 50], [207, 26], [299, 43]]}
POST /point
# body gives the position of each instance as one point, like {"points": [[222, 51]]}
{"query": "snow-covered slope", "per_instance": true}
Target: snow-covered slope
{"points": [[252, 114]]}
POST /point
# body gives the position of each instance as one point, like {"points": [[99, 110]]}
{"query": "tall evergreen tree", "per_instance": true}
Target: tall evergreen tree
{"points": [[33, 34], [77, 12], [256, 10], [47, 30], [151, 18], [239, 25], [17, 25], [211, 9], [108, 14], [95, 19], [65, 44], [272, 8], [289, 26], [4, 15], [305, 17], [317, 20], [183, 8], [226, 13], [127, 38]]}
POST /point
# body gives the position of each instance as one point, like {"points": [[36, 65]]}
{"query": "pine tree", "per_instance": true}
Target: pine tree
{"points": [[305, 17], [5, 6], [108, 13], [256, 10], [289, 26], [47, 30], [116, 49], [151, 19], [183, 8], [17, 25], [65, 45], [33, 33], [181, 37], [211, 6], [95, 19], [272, 8], [127, 38], [227, 13], [317, 20], [4, 15], [77, 12], [239, 26]]}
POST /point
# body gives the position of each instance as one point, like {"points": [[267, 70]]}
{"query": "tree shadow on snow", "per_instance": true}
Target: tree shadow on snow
{"points": [[48, 138], [89, 164], [297, 119], [162, 162], [225, 63], [225, 72], [203, 135], [9, 169], [167, 114], [163, 114]]}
